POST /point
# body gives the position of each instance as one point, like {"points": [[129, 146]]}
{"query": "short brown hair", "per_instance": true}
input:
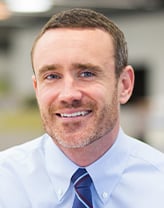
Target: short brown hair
{"points": [[87, 18]]}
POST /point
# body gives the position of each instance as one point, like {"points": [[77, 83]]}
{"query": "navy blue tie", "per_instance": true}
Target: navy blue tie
{"points": [[82, 182]]}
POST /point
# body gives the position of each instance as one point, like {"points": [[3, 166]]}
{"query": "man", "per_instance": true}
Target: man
{"points": [[81, 76]]}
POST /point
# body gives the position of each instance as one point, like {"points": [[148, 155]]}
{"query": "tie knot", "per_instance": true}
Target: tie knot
{"points": [[81, 178]]}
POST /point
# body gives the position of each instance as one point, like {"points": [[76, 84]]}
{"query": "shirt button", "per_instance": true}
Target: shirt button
{"points": [[105, 195]]}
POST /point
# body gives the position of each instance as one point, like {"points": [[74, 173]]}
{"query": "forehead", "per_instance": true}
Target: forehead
{"points": [[82, 35], [55, 42]]}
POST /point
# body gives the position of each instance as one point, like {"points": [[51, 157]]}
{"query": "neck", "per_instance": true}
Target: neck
{"points": [[89, 154]]}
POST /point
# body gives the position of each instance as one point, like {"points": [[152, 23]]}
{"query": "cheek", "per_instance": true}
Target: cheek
{"points": [[99, 94], [45, 97]]}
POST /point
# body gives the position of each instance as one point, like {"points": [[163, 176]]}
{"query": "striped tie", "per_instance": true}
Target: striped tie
{"points": [[82, 182]]}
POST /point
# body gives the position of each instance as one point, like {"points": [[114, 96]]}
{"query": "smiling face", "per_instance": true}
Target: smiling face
{"points": [[76, 87]]}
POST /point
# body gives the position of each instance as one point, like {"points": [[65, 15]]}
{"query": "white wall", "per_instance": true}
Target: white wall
{"points": [[145, 36]]}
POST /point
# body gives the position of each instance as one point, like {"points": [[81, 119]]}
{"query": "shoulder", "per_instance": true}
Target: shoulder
{"points": [[143, 173], [22, 171], [145, 156], [19, 155]]}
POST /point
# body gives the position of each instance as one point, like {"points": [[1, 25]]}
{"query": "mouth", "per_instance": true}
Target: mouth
{"points": [[74, 115]]}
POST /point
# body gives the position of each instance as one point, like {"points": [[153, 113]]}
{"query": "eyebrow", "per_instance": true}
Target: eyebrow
{"points": [[46, 68], [53, 67], [86, 66]]}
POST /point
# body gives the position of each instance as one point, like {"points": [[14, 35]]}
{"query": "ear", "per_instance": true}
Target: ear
{"points": [[126, 84], [34, 81]]}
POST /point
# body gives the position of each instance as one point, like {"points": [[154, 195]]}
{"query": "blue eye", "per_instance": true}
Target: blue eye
{"points": [[52, 76], [87, 74]]}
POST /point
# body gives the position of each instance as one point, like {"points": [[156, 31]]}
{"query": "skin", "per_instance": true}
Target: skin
{"points": [[77, 91]]}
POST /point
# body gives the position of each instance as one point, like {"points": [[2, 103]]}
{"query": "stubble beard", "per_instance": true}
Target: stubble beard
{"points": [[102, 123]]}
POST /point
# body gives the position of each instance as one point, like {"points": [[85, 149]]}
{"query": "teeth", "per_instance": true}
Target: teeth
{"points": [[82, 113]]}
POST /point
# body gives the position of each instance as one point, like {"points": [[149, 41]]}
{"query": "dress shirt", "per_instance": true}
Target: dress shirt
{"points": [[37, 175]]}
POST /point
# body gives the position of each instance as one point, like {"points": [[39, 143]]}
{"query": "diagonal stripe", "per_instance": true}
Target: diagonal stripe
{"points": [[78, 179], [83, 202], [82, 182]]}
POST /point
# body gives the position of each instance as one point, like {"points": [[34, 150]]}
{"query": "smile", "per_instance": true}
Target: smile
{"points": [[73, 115]]}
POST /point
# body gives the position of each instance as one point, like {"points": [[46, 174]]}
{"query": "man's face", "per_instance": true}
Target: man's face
{"points": [[75, 85]]}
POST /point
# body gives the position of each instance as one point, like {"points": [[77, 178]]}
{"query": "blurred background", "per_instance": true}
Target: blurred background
{"points": [[142, 21]]}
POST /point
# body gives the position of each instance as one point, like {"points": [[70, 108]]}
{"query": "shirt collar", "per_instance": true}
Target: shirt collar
{"points": [[59, 167], [110, 166]]}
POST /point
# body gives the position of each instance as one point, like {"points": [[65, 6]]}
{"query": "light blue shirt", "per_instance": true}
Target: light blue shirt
{"points": [[37, 175]]}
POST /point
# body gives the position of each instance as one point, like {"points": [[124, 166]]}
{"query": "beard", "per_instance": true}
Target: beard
{"points": [[80, 134]]}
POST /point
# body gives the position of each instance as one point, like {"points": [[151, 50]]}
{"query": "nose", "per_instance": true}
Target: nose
{"points": [[70, 91]]}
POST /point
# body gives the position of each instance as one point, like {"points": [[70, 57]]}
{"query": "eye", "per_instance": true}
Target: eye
{"points": [[52, 76], [87, 74]]}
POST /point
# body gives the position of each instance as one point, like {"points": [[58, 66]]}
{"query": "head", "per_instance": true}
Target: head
{"points": [[86, 18], [81, 77]]}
